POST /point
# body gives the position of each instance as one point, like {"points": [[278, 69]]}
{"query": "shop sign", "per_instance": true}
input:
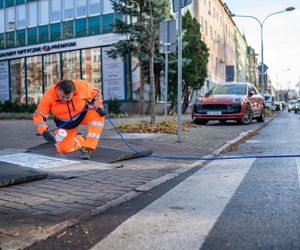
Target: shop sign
{"points": [[4, 81], [79, 43], [113, 76]]}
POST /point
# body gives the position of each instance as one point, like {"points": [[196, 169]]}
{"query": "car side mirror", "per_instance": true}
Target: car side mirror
{"points": [[206, 95], [250, 93]]}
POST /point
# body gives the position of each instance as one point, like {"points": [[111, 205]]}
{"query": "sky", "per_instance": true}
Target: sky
{"points": [[281, 36]]}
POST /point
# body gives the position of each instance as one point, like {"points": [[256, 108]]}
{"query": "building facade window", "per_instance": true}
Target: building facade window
{"points": [[68, 7], [10, 19], [55, 32], [21, 38], [10, 39], [34, 79], [51, 69], [107, 7], [17, 81], [2, 28], [81, 8], [2, 41], [9, 3], [107, 23], [43, 34], [71, 65], [68, 29], [32, 14], [43, 12], [32, 36], [91, 66], [20, 2], [56, 11], [81, 27], [21, 16], [94, 25], [94, 7]]}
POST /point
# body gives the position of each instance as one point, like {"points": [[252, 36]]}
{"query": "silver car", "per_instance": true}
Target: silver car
{"points": [[292, 104], [297, 106]]}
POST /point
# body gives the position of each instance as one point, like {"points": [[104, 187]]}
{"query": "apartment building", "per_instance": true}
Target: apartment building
{"points": [[218, 32], [252, 67], [231, 60], [241, 54]]}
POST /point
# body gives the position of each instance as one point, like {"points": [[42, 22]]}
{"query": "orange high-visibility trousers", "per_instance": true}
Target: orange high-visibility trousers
{"points": [[73, 142]]}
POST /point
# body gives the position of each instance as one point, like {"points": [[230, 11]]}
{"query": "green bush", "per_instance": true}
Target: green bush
{"points": [[12, 107], [114, 106]]}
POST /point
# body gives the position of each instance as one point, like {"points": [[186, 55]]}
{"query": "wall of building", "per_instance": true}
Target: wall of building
{"points": [[217, 30], [242, 64]]}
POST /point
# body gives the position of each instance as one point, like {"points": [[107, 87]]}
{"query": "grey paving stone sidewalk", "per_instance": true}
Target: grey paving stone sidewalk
{"points": [[35, 210]]}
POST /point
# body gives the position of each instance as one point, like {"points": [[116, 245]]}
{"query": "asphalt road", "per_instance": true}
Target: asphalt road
{"points": [[230, 204]]}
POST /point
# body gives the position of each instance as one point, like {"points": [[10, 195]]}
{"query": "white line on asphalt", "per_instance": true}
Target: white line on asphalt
{"points": [[183, 217], [35, 161], [298, 170]]}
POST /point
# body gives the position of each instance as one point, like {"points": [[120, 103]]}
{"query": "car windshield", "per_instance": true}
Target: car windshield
{"points": [[232, 89], [293, 102]]}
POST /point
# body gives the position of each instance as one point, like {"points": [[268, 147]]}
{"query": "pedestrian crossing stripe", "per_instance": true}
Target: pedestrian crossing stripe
{"points": [[184, 216], [35, 161]]}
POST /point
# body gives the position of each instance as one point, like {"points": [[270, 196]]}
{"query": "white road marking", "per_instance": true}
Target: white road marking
{"points": [[298, 169], [35, 161], [183, 217]]}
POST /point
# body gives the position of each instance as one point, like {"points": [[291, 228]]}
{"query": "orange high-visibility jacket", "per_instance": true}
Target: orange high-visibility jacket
{"points": [[50, 102]]}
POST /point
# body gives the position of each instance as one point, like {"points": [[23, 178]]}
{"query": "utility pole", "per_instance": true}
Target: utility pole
{"points": [[177, 6]]}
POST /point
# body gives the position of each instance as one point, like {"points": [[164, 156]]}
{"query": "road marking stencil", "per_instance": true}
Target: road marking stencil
{"points": [[35, 161]]}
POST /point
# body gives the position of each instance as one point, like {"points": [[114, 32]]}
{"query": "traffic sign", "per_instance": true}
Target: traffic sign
{"points": [[167, 36], [180, 4]]}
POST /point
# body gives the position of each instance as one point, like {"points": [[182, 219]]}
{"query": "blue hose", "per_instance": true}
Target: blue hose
{"points": [[199, 158], [183, 157]]}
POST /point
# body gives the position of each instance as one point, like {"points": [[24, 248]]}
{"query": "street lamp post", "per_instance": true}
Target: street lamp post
{"points": [[262, 66]]}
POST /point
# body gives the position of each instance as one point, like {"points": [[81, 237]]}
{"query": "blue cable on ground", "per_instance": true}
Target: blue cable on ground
{"points": [[182, 157], [199, 158]]}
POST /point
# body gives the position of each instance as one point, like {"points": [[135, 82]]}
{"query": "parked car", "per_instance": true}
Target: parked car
{"points": [[270, 101], [278, 106], [297, 106], [240, 102], [291, 105]]}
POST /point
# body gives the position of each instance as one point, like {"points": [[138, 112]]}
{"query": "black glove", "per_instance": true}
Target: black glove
{"points": [[48, 137], [101, 111]]}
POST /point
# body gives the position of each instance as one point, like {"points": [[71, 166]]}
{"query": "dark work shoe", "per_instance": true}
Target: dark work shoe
{"points": [[85, 153]]}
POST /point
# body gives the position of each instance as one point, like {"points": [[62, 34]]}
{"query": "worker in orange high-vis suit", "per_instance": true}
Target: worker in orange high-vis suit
{"points": [[72, 103]]}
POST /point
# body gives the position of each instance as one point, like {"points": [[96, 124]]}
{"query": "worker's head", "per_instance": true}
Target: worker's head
{"points": [[66, 90]]}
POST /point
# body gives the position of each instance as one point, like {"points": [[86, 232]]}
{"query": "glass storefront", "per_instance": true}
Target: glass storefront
{"points": [[34, 79], [71, 65], [51, 69], [91, 66], [17, 72], [31, 76]]}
